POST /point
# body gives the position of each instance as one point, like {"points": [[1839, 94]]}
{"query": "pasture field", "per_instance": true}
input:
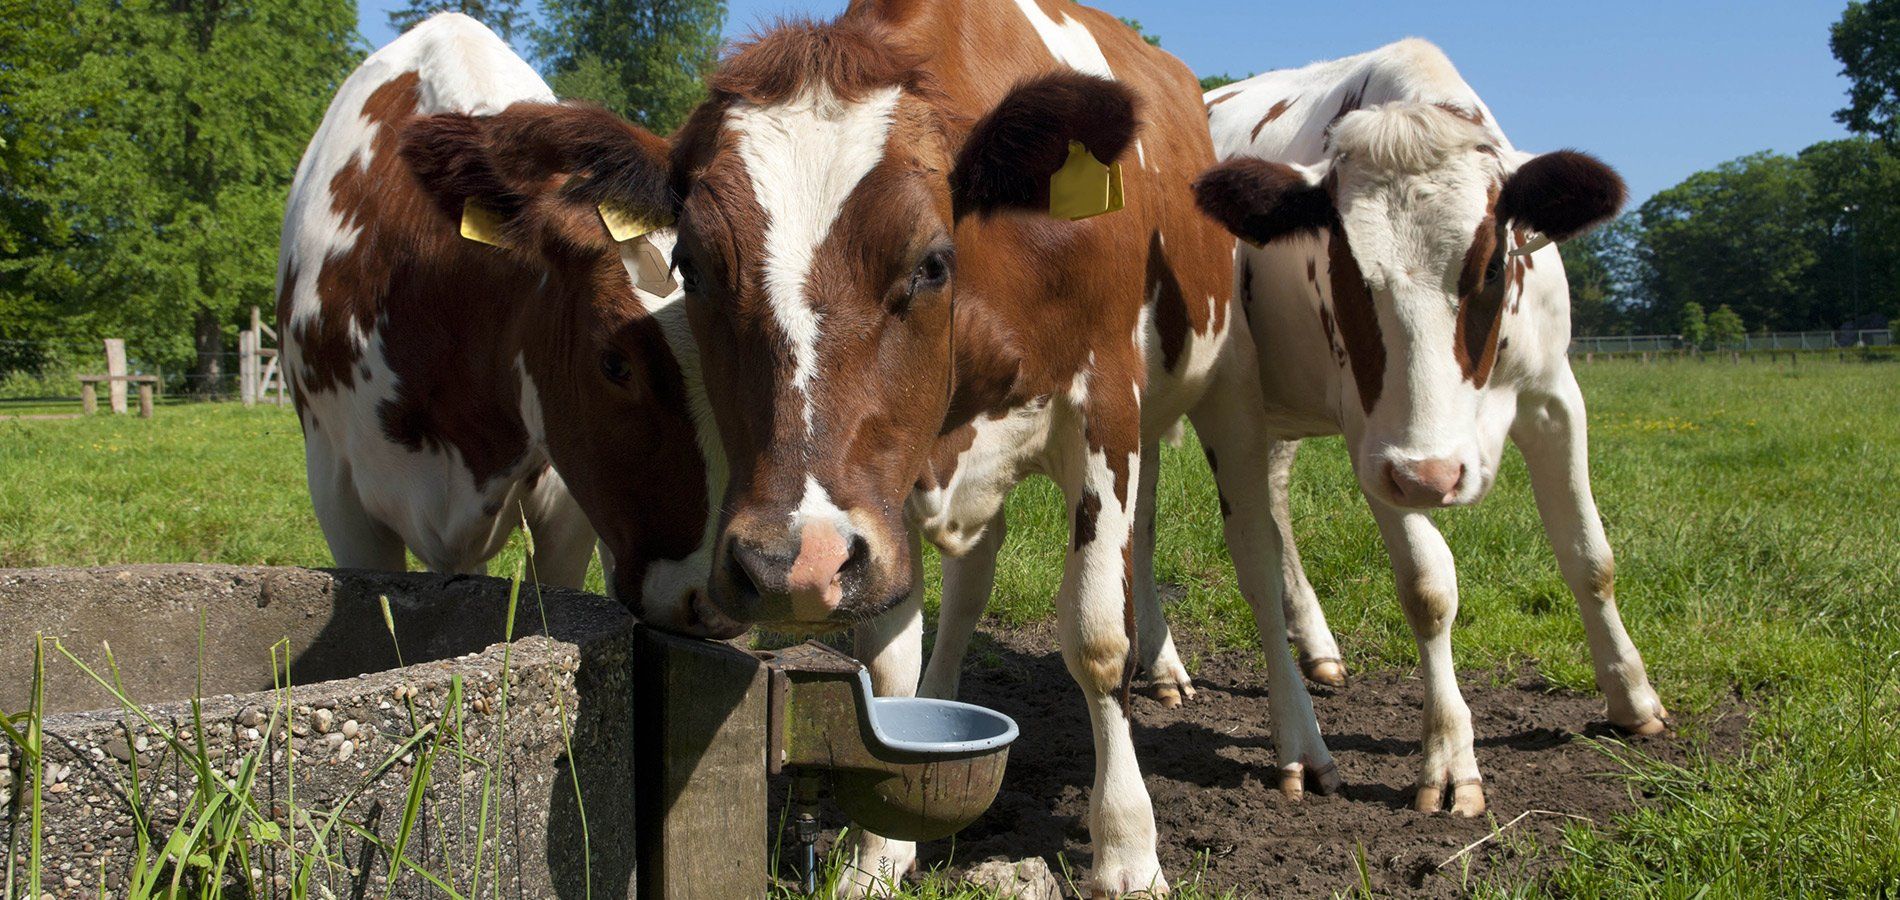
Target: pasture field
{"points": [[1754, 508]]}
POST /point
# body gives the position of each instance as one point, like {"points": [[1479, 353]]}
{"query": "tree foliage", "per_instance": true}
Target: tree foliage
{"points": [[156, 140], [645, 59], [1867, 42], [1725, 327], [504, 17]]}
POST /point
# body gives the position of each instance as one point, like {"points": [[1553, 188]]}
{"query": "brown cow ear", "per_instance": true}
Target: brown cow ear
{"points": [[1261, 202], [1562, 195], [1010, 155], [543, 171]]}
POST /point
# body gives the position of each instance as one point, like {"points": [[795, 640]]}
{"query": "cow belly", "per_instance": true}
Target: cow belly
{"points": [[428, 497]]}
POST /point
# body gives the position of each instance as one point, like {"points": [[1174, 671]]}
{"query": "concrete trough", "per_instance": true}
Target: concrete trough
{"points": [[343, 730]]}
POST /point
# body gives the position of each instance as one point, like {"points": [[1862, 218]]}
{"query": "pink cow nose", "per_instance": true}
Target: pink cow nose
{"points": [[1425, 482], [811, 577], [816, 581]]}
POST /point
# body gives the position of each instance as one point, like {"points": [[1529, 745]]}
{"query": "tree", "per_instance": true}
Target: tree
{"points": [[504, 17], [1740, 234], [1693, 326], [1604, 270], [1210, 82], [163, 147], [1725, 327], [1856, 210], [644, 59], [1867, 42]]}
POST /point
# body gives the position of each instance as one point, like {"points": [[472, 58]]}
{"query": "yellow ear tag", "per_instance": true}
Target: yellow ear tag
{"points": [[623, 225], [1084, 188], [481, 224], [649, 267]]}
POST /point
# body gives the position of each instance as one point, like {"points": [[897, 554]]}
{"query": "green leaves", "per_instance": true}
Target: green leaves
{"points": [[149, 149], [644, 59], [1867, 42]]}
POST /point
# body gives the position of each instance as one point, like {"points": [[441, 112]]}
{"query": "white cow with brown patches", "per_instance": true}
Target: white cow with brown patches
{"points": [[450, 389], [1401, 290]]}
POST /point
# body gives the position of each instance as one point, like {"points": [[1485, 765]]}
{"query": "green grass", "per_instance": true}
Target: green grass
{"points": [[1752, 507]]}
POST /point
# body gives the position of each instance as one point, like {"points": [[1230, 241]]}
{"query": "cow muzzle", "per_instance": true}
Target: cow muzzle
{"points": [[811, 580], [1422, 483]]}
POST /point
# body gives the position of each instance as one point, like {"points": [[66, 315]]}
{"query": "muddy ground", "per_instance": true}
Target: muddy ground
{"points": [[1209, 766]]}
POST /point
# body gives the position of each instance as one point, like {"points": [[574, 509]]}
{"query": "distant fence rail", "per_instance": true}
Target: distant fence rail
{"points": [[1788, 340]]}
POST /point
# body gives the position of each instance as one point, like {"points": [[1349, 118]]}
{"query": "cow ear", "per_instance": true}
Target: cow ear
{"points": [[1261, 202], [1009, 157], [1562, 195], [544, 175]]}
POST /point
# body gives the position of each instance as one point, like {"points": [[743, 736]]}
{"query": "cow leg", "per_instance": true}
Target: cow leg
{"points": [[1427, 579], [892, 648], [357, 539], [1167, 677], [1095, 618], [967, 582], [1306, 622], [1228, 421], [563, 539], [1557, 453]]}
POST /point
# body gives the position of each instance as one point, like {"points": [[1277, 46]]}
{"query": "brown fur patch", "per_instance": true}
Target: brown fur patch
{"points": [[1279, 109], [1358, 321]]}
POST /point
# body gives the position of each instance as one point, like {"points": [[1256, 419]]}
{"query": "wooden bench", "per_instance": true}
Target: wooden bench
{"points": [[89, 391]]}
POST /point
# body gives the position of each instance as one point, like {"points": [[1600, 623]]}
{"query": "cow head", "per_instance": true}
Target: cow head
{"points": [[816, 195], [1425, 217], [612, 397], [820, 192]]}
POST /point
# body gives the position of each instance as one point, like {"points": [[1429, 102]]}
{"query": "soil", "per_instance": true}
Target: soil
{"points": [[1209, 767]]}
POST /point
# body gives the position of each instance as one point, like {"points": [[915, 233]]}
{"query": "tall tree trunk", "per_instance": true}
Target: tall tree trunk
{"points": [[208, 334]]}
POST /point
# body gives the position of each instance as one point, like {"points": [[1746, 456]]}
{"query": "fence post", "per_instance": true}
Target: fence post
{"points": [[115, 367], [88, 397], [247, 366], [145, 399]]}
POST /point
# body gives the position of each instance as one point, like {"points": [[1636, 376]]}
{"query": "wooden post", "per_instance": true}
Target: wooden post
{"points": [[89, 397], [247, 366], [699, 727], [1590, 358], [145, 399], [115, 367]]}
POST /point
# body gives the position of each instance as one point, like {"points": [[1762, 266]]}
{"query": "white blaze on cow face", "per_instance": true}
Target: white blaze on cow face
{"points": [[1412, 185], [805, 158]]}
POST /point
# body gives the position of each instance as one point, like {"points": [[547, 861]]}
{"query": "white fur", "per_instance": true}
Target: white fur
{"points": [[805, 158], [1411, 186]]}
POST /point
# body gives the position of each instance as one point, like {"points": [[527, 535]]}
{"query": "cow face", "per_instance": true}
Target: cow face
{"points": [[819, 195], [1419, 213], [603, 383]]}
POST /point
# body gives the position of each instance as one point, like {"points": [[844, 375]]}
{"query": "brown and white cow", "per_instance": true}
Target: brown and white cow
{"points": [[895, 332], [449, 388], [1401, 292]]}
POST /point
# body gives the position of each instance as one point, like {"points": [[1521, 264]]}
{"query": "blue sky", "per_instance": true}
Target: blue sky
{"points": [[1660, 88]]}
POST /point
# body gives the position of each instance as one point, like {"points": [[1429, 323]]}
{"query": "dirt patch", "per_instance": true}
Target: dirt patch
{"points": [[1210, 769]]}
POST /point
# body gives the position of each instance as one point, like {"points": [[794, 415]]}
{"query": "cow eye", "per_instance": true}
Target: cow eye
{"points": [[933, 272], [615, 367], [1495, 270]]}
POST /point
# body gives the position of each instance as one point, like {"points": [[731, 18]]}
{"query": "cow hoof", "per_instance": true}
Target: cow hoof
{"points": [[1467, 798], [1324, 778], [1169, 682], [1330, 672], [1112, 881], [1655, 725]]}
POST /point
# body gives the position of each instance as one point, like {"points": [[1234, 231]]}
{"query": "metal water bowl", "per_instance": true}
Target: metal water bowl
{"points": [[907, 768]]}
